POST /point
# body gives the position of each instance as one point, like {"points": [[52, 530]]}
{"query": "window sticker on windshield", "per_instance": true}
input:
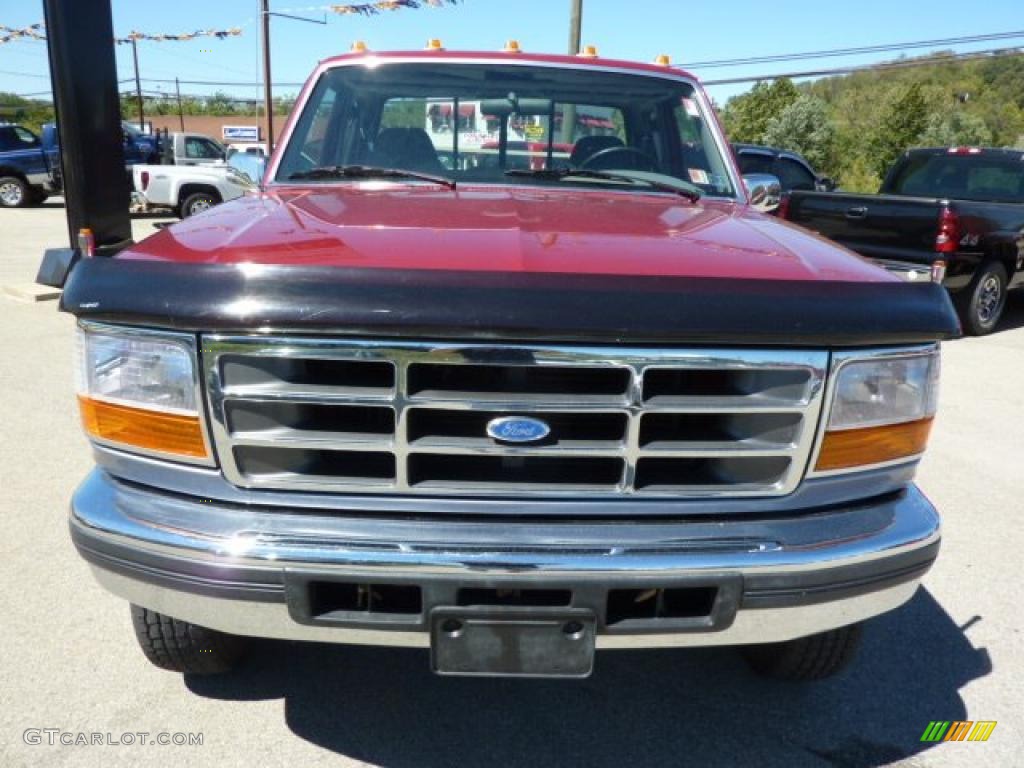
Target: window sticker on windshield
{"points": [[691, 107], [698, 175]]}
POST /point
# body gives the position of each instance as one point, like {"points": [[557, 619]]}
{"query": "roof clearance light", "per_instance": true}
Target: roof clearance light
{"points": [[663, 60], [588, 52], [359, 46], [512, 46], [434, 44]]}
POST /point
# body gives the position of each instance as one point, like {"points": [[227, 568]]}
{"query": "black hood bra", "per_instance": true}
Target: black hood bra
{"points": [[507, 307]]}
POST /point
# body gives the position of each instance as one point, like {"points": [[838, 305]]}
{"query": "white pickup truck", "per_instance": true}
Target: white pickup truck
{"points": [[188, 189]]}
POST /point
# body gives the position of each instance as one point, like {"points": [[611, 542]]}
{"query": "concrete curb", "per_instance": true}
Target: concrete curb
{"points": [[30, 292]]}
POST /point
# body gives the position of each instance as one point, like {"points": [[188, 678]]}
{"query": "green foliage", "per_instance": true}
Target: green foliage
{"points": [[27, 112], [956, 128], [219, 103], [404, 113], [902, 123], [746, 117], [876, 115], [805, 127]]}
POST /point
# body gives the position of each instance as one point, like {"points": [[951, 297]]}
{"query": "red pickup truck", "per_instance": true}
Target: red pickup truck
{"points": [[508, 414]]}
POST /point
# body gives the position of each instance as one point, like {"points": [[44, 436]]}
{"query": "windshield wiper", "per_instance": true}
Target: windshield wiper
{"points": [[691, 193], [367, 172]]}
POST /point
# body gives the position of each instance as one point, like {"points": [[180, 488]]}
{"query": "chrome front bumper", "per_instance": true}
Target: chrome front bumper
{"points": [[239, 568]]}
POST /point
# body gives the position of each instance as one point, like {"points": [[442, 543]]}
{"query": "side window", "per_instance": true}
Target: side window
{"points": [[213, 150], [26, 138], [701, 162], [199, 148], [755, 162], [313, 150], [193, 148], [794, 175]]}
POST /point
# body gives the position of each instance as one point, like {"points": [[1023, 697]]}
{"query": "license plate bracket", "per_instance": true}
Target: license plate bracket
{"points": [[512, 641]]}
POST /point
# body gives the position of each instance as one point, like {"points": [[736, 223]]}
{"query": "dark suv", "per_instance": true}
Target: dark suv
{"points": [[792, 170]]}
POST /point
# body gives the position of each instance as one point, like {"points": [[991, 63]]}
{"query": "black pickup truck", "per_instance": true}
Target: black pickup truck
{"points": [[955, 215]]}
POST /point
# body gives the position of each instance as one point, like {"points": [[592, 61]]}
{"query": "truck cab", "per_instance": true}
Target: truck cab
{"points": [[29, 171], [417, 392]]}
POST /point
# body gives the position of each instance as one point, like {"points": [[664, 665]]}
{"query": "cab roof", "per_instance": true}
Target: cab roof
{"points": [[579, 62]]}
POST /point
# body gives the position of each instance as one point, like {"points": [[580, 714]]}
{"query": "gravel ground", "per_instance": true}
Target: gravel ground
{"points": [[70, 661]]}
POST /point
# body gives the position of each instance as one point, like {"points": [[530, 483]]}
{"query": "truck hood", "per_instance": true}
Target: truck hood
{"points": [[504, 229]]}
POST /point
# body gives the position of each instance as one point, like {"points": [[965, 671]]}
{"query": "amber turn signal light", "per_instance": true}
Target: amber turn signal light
{"points": [[873, 445], [141, 428]]}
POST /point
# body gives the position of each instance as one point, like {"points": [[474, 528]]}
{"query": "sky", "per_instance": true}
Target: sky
{"points": [[687, 30]]}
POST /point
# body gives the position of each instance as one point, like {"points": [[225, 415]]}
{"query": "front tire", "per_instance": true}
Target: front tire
{"points": [[14, 193], [807, 658], [180, 646], [197, 203], [984, 300]]}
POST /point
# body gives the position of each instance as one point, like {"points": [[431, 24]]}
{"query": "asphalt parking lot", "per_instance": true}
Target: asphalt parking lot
{"points": [[70, 661]]}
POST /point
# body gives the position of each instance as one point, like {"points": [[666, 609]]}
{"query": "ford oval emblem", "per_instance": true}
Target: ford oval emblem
{"points": [[518, 429]]}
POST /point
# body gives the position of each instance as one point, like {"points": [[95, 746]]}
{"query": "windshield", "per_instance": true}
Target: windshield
{"points": [[474, 122]]}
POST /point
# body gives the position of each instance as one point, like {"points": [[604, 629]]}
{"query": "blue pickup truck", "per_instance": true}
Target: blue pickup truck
{"points": [[29, 168], [30, 164]]}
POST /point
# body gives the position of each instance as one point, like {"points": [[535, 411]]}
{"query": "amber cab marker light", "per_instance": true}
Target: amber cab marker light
{"points": [[588, 52], [158, 431], [663, 60], [873, 445], [358, 47], [512, 46], [433, 44]]}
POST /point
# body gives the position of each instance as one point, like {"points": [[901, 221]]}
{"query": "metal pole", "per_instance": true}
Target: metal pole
{"points": [[181, 112], [268, 97], [138, 86], [575, 30], [575, 26], [88, 109]]}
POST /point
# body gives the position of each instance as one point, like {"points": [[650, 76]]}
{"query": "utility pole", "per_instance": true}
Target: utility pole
{"points": [[268, 96], [181, 112], [575, 30], [138, 85], [575, 26]]}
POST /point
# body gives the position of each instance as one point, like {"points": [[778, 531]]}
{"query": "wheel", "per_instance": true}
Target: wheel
{"points": [[197, 203], [982, 303], [806, 658], [14, 193], [183, 647]]}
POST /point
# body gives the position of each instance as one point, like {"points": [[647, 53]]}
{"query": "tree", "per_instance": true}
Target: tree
{"points": [[746, 117], [956, 128], [901, 125], [805, 127]]}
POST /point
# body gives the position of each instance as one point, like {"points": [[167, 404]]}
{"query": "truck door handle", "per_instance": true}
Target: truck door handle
{"points": [[858, 212]]}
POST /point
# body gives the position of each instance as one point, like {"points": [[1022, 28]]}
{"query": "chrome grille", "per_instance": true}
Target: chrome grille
{"points": [[411, 418]]}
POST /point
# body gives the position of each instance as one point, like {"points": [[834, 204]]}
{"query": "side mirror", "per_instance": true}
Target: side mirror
{"points": [[765, 191], [825, 184]]}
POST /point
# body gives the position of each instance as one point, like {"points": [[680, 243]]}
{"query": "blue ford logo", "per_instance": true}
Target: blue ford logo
{"points": [[518, 429]]}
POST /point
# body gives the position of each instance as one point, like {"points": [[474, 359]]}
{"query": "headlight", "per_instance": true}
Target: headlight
{"points": [[882, 410], [138, 390]]}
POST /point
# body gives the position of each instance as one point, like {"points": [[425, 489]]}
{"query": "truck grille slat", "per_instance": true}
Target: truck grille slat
{"points": [[411, 418]]}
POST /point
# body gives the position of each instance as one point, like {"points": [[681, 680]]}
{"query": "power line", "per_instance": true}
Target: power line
{"points": [[922, 62], [830, 52]]}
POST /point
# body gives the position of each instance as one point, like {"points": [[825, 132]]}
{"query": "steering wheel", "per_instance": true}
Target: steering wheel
{"points": [[646, 162]]}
